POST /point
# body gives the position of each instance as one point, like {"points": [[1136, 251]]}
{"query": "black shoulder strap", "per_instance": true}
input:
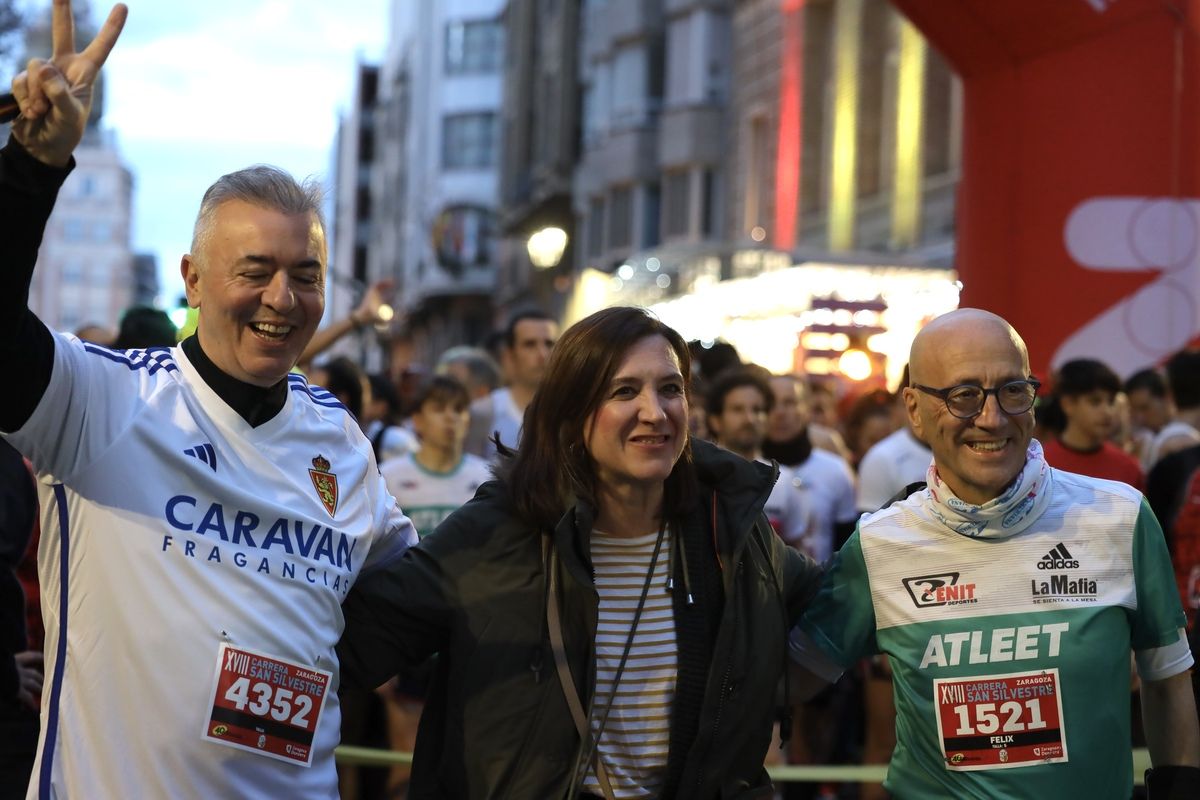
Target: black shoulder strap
{"points": [[903, 494]]}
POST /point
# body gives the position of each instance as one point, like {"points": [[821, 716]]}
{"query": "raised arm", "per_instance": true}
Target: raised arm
{"points": [[371, 310], [55, 98]]}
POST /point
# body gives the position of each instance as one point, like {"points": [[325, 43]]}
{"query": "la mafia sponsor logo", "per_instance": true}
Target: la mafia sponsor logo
{"points": [[944, 589], [1062, 587]]}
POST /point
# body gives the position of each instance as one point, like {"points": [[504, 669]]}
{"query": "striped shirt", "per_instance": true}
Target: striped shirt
{"points": [[634, 741]]}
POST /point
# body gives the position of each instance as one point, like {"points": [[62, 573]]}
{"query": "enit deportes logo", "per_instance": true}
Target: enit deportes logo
{"points": [[1058, 558], [928, 591]]}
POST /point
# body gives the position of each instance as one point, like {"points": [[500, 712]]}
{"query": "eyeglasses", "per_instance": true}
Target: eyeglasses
{"points": [[966, 401]]}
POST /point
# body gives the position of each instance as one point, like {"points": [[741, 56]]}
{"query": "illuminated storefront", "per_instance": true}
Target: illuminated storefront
{"points": [[786, 318]]}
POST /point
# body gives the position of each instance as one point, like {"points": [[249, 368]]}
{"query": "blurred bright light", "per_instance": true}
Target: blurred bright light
{"points": [[758, 233], [625, 272], [839, 341], [178, 316], [663, 281], [386, 313], [652, 264], [546, 247], [855, 365]]}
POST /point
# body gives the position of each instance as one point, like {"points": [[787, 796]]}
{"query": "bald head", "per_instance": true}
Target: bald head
{"points": [[980, 455], [960, 333]]}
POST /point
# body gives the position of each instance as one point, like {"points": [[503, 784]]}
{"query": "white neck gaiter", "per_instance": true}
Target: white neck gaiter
{"points": [[1017, 507]]}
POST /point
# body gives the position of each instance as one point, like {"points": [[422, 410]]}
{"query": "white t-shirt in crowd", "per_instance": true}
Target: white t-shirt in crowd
{"points": [[892, 463], [428, 497], [789, 513], [827, 485]]}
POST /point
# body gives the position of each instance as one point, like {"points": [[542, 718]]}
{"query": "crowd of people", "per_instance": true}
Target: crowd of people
{"points": [[599, 562]]}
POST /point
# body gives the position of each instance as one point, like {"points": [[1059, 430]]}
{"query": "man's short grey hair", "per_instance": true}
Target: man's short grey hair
{"points": [[260, 185], [480, 366]]}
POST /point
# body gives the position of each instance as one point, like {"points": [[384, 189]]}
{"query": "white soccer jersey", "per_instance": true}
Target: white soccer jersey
{"points": [[429, 497], [182, 550]]}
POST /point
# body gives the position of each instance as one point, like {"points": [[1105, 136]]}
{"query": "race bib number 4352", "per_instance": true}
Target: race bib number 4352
{"points": [[1000, 721], [266, 705]]}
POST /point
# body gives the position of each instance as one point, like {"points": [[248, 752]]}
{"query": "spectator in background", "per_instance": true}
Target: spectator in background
{"points": [[144, 326], [823, 404], [871, 419], [372, 309], [738, 403], [1153, 413], [428, 483], [438, 476], [96, 334], [473, 367], [20, 663], [384, 421], [895, 462], [713, 360], [825, 479], [346, 381], [528, 340], [1087, 392]]}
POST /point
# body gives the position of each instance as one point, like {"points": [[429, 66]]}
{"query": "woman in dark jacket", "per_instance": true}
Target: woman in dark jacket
{"points": [[617, 581]]}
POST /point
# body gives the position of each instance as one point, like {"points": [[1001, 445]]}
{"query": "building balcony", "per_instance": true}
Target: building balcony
{"points": [[691, 135], [623, 157]]}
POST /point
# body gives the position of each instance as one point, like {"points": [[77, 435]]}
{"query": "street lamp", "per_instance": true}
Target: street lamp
{"points": [[546, 247]]}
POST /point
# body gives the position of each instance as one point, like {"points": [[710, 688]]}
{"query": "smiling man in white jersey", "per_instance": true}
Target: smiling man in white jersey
{"points": [[1007, 596], [204, 513]]}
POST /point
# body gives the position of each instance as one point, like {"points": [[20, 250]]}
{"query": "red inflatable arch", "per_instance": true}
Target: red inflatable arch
{"points": [[1079, 208]]}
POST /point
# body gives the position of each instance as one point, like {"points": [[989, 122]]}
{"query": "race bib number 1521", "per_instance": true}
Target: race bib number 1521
{"points": [[1000, 721]]}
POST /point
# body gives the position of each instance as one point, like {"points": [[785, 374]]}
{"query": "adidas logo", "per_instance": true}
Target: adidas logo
{"points": [[205, 453], [1058, 558]]}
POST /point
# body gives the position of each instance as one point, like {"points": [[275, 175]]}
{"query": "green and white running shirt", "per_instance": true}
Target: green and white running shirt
{"points": [[1010, 657]]}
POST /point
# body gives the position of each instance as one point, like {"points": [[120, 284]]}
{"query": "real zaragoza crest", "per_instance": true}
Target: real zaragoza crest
{"points": [[325, 482]]}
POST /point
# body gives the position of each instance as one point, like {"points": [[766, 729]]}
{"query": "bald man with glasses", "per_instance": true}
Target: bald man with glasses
{"points": [[1007, 596]]}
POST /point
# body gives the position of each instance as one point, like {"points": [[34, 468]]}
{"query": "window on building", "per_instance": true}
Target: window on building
{"points": [[74, 230], [630, 71], [474, 46], [87, 185], [677, 202], [72, 273], [101, 232], [595, 229], [469, 141], [697, 58], [598, 102], [620, 218]]}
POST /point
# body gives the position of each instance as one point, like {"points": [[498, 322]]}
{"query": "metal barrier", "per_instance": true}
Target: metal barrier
{"points": [[791, 773]]}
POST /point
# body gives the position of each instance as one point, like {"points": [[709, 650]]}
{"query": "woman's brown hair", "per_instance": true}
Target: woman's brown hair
{"points": [[551, 469]]}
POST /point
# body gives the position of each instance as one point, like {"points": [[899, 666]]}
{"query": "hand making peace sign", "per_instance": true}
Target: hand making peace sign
{"points": [[55, 96]]}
